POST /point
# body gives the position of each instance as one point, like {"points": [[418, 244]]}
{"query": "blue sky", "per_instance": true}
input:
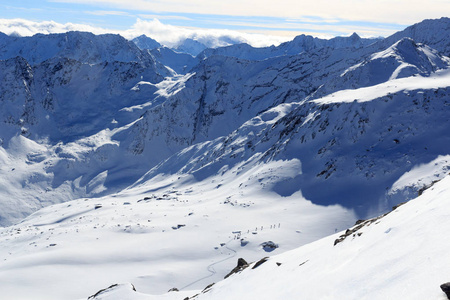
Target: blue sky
{"points": [[282, 18]]}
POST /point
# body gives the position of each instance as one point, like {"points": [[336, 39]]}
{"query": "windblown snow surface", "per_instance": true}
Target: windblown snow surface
{"points": [[126, 172]]}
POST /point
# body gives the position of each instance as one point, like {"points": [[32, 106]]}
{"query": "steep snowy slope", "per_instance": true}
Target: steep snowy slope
{"points": [[353, 144], [399, 256], [48, 105], [403, 59], [434, 33]]}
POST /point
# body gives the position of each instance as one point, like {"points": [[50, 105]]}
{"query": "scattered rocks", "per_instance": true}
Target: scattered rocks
{"points": [[360, 224], [269, 246], [446, 289], [178, 226], [241, 265]]}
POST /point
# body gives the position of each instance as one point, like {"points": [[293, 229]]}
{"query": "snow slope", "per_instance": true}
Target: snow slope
{"points": [[174, 231], [399, 256]]}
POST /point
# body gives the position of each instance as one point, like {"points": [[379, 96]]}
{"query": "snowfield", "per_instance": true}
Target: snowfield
{"points": [[170, 232]]}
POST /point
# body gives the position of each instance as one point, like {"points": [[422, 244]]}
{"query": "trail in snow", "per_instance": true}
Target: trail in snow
{"points": [[210, 267]]}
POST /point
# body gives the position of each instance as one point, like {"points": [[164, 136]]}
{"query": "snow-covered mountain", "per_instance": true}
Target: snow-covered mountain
{"points": [[81, 46], [301, 43], [145, 42], [241, 152], [191, 46]]}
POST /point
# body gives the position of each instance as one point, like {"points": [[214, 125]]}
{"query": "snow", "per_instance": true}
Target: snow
{"points": [[131, 238], [400, 256], [423, 175], [158, 169], [440, 79]]}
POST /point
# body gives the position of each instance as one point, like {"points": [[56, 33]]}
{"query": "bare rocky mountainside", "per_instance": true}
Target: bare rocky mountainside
{"points": [[212, 155]]}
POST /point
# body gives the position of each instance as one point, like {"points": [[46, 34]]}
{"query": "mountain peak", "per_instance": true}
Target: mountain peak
{"points": [[191, 46], [355, 36], [145, 42]]}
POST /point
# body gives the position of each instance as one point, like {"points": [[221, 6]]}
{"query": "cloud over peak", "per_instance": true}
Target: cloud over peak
{"points": [[165, 34]]}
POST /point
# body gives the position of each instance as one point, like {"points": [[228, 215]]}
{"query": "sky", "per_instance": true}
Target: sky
{"points": [[259, 22]]}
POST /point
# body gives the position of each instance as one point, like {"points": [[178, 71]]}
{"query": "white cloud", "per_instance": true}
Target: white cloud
{"points": [[382, 11], [171, 35], [107, 13], [166, 34], [27, 28]]}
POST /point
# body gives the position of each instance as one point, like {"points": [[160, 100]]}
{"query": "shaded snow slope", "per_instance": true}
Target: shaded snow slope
{"points": [[352, 150], [181, 63]]}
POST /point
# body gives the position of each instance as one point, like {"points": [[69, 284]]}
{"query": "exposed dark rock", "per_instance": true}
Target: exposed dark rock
{"points": [[446, 289], [108, 288], [269, 246], [207, 288], [426, 187], [97, 206], [303, 263], [174, 289], [398, 205], [178, 226], [278, 264], [260, 262], [241, 265]]}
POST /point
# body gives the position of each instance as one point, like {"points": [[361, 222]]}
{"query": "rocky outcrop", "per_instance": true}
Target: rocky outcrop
{"points": [[241, 265]]}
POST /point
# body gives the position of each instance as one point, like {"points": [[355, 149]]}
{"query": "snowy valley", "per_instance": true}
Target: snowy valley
{"points": [[134, 166]]}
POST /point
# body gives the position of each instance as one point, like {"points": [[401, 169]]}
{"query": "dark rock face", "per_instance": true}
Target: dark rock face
{"points": [[446, 289], [260, 262], [241, 265], [111, 287]]}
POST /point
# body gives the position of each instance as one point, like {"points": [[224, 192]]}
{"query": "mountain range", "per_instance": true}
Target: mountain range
{"points": [[139, 163]]}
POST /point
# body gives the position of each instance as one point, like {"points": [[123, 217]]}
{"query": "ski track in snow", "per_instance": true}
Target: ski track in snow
{"points": [[210, 268]]}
